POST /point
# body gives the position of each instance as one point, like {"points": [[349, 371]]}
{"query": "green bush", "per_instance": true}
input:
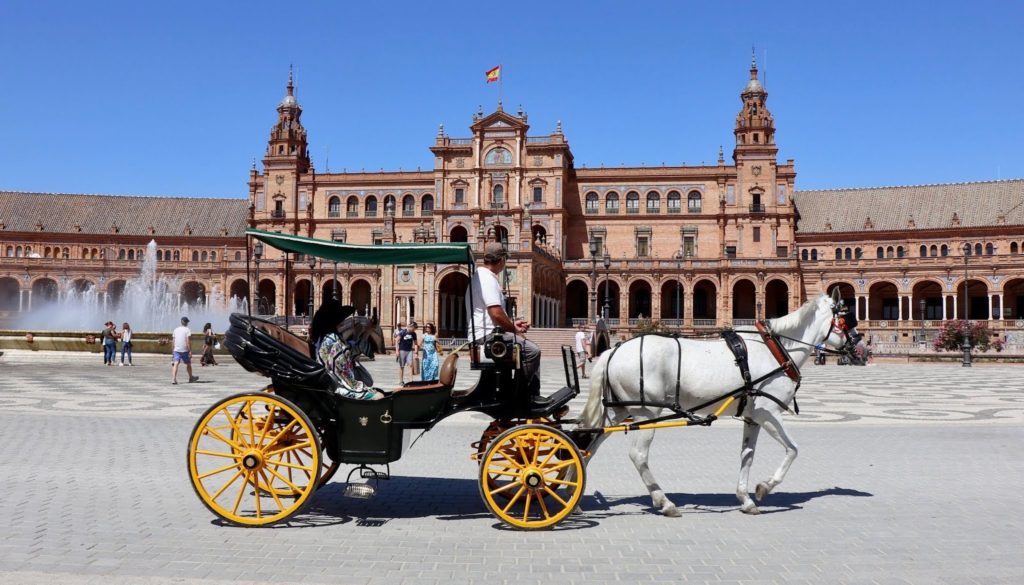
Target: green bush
{"points": [[951, 336]]}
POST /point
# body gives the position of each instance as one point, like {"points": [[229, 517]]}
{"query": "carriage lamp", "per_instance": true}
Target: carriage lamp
{"points": [[593, 276], [607, 268], [967, 309]]}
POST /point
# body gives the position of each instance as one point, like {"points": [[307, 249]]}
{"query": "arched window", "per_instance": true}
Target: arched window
{"points": [[803, 254], [611, 202], [10, 251], [389, 204], [427, 204], [204, 256], [989, 249], [18, 252], [498, 156], [408, 206], [858, 253], [674, 201], [334, 207], [848, 254], [195, 255], [47, 251], [159, 255], [933, 251], [592, 202], [352, 207], [632, 202], [1013, 248], [371, 206], [177, 255], [693, 202], [498, 195], [131, 254], [213, 256], [944, 251], [924, 251], [839, 253], [899, 251], [880, 252], [121, 254], [67, 253], [889, 252], [977, 249], [238, 256], [653, 202], [814, 254]]}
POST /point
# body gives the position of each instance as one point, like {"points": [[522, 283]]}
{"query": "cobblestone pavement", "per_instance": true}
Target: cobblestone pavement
{"points": [[904, 476]]}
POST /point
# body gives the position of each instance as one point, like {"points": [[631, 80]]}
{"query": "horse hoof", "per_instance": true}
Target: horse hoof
{"points": [[762, 491], [671, 511], [751, 509]]}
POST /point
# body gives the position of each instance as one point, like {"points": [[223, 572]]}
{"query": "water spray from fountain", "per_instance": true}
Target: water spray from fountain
{"points": [[150, 302]]}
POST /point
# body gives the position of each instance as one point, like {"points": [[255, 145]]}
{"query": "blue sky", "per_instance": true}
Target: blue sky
{"points": [[177, 98]]}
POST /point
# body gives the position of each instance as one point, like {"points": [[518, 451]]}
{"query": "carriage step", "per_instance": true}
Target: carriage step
{"points": [[367, 473]]}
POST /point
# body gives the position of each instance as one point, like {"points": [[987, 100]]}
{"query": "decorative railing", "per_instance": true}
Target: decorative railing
{"points": [[705, 322], [757, 208], [277, 213]]}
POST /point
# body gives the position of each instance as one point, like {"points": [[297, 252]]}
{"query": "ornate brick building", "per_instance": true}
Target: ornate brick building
{"points": [[696, 247]]}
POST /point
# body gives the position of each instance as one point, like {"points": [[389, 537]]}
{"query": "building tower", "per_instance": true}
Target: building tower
{"points": [[286, 160]]}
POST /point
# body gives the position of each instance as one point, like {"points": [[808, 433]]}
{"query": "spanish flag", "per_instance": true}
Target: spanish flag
{"points": [[494, 74]]}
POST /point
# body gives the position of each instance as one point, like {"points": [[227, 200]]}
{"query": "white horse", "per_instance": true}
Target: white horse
{"points": [[707, 371]]}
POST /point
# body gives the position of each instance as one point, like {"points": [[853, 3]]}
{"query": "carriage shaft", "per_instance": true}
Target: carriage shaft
{"points": [[667, 423]]}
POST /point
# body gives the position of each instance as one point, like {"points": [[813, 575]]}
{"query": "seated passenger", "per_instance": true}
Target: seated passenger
{"points": [[337, 356]]}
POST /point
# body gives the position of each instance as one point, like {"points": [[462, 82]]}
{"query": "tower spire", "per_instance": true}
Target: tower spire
{"points": [[291, 80]]}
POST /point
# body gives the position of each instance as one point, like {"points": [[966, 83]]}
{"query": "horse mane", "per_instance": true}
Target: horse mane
{"points": [[788, 324]]}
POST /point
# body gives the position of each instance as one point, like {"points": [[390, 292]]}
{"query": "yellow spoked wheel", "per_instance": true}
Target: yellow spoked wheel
{"points": [[252, 474], [295, 461], [542, 472], [495, 429]]}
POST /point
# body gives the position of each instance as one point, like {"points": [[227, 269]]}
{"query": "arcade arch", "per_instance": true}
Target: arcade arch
{"points": [[10, 294], [639, 299], [705, 300], [612, 298], [193, 293], [451, 305], [744, 298], [239, 289], [577, 300], [362, 296], [776, 299], [672, 306], [266, 297]]}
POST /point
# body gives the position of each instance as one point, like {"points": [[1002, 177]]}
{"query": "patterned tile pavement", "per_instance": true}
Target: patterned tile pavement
{"points": [[904, 476]]}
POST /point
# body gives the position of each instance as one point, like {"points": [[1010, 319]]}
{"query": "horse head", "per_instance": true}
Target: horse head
{"points": [[834, 326]]}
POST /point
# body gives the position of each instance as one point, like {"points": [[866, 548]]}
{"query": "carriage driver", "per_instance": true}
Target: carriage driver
{"points": [[488, 311]]}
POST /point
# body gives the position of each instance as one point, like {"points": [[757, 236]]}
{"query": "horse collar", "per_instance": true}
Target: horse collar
{"points": [[778, 352]]}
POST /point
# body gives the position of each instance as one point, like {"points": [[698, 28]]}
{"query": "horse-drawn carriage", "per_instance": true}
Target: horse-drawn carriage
{"points": [[257, 458]]}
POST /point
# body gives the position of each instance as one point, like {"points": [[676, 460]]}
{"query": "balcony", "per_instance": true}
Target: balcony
{"points": [[592, 210], [277, 213], [408, 213], [370, 213], [632, 210], [611, 210], [498, 205], [653, 210], [672, 209], [757, 208], [333, 214], [427, 213], [352, 214], [693, 210]]}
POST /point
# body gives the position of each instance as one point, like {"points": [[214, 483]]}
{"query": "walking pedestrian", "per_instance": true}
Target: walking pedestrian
{"points": [[431, 353], [182, 351], [406, 350], [209, 339], [126, 343], [581, 349]]}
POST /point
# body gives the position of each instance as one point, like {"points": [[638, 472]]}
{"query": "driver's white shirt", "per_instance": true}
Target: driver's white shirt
{"points": [[484, 291]]}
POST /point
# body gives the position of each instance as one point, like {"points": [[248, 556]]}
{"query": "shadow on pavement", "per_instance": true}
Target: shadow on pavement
{"points": [[711, 503]]}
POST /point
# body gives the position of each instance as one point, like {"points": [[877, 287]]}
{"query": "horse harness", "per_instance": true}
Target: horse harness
{"points": [[748, 390]]}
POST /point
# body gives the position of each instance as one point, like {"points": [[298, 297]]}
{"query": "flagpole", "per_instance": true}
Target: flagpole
{"points": [[501, 84]]}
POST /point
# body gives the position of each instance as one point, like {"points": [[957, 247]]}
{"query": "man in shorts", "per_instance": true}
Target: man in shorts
{"points": [[406, 350], [182, 351]]}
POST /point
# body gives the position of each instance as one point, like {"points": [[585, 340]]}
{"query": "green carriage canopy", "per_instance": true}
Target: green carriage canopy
{"points": [[383, 254]]}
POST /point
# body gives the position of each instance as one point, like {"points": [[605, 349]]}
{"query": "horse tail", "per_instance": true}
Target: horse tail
{"points": [[593, 412]]}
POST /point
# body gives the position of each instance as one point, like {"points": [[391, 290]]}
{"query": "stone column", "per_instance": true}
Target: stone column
{"points": [[955, 310], [991, 304]]}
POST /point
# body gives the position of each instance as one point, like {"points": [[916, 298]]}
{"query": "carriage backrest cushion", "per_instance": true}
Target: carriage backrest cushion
{"points": [[449, 369], [286, 337]]}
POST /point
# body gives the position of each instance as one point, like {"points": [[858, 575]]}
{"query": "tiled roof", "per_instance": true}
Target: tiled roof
{"points": [[133, 215], [930, 206]]}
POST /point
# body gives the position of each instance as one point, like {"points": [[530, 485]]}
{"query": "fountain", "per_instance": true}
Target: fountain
{"points": [[150, 302]]}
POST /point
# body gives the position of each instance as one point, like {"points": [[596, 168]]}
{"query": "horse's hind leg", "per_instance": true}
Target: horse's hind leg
{"points": [[639, 453], [772, 423], [750, 432]]}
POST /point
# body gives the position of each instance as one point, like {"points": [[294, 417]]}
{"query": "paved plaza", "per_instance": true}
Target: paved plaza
{"points": [[906, 474]]}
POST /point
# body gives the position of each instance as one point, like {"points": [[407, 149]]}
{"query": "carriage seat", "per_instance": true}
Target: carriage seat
{"points": [[446, 377], [285, 337]]}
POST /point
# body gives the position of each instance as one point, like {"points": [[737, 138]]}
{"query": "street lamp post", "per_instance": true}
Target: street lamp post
{"points": [[758, 315], [312, 277], [607, 267], [922, 305], [257, 253], [593, 277], [334, 283], [967, 309], [679, 294]]}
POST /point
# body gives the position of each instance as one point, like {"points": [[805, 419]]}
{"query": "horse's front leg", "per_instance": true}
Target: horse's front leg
{"points": [[639, 453], [750, 432], [771, 420]]}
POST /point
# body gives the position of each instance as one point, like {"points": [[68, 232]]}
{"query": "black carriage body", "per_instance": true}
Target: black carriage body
{"points": [[372, 431]]}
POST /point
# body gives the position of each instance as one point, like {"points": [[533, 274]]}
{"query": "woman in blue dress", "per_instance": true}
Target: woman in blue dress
{"points": [[431, 351]]}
